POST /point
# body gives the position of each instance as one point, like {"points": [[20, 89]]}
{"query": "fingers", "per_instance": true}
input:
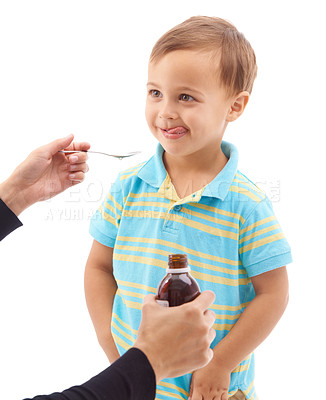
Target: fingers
{"points": [[82, 146], [210, 317], [210, 355], [77, 158], [77, 161], [77, 166], [224, 396], [77, 177], [204, 300], [65, 143], [197, 394], [211, 335], [59, 144]]}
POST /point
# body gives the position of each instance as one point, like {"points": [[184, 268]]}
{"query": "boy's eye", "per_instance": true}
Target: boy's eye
{"points": [[186, 97], [155, 93]]}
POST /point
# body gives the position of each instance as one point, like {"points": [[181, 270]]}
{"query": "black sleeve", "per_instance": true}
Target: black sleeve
{"points": [[131, 377], [8, 220]]}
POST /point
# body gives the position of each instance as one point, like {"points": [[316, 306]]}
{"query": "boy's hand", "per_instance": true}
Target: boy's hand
{"points": [[210, 383]]}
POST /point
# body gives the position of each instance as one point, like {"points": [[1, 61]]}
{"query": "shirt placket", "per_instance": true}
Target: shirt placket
{"points": [[174, 212]]}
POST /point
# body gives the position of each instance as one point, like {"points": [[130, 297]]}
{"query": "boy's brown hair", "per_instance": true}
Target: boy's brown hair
{"points": [[237, 67]]}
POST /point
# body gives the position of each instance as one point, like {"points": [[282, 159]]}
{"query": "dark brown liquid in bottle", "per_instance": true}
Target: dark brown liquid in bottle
{"points": [[179, 287]]}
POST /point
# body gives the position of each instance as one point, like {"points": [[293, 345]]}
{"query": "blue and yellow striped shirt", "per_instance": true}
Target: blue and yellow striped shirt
{"points": [[227, 229]]}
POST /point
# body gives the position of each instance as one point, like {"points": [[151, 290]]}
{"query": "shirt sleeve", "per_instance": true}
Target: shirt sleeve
{"points": [[9, 221], [131, 377], [106, 220], [262, 245]]}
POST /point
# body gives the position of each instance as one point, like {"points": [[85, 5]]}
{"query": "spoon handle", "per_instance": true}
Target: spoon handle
{"points": [[100, 152]]}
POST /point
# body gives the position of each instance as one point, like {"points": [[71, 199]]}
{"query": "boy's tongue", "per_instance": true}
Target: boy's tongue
{"points": [[177, 131]]}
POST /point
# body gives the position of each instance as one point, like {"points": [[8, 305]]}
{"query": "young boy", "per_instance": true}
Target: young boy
{"points": [[190, 198]]}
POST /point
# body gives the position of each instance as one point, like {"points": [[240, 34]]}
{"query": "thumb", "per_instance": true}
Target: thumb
{"points": [[149, 298], [59, 144], [203, 301]]}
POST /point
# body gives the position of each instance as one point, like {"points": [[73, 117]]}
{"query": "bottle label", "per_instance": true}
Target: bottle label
{"points": [[163, 303]]}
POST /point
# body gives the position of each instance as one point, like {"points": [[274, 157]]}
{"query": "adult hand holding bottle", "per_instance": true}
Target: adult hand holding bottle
{"points": [[171, 342], [176, 340]]}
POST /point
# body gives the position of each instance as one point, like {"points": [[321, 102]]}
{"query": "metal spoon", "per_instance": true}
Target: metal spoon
{"points": [[120, 156]]}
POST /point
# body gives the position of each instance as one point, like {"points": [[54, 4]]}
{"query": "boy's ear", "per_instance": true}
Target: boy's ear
{"points": [[237, 106]]}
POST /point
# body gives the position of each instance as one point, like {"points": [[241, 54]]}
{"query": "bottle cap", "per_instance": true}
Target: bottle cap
{"points": [[178, 261]]}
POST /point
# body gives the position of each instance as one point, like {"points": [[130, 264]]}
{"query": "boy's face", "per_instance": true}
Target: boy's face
{"points": [[186, 108]]}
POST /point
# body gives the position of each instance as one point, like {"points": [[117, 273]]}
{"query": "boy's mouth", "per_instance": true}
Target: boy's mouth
{"points": [[174, 133]]}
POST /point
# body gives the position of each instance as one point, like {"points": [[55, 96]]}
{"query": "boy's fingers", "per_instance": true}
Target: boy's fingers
{"points": [[195, 395], [204, 300], [224, 396]]}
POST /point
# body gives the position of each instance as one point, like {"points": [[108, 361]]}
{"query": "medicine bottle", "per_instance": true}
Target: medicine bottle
{"points": [[178, 286]]}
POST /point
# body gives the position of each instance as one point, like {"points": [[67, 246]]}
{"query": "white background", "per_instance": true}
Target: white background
{"points": [[80, 66]]}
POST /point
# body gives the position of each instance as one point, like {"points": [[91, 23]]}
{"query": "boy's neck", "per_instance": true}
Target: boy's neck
{"points": [[191, 173]]}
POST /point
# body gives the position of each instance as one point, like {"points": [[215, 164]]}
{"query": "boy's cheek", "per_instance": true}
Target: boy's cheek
{"points": [[148, 116]]}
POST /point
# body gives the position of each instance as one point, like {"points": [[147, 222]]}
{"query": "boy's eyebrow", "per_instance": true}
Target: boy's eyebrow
{"points": [[185, 88], [151, 84], [181, 88]]}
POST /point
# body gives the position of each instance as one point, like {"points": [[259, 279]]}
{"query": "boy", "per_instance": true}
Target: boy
{"points": [[190, 198]]}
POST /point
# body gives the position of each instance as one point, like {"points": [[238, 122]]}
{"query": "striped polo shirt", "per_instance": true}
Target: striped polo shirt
{"points": [[227, 229]]}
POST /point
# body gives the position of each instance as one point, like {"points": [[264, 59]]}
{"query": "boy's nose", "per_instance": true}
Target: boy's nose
{"points": [[168, 112]]}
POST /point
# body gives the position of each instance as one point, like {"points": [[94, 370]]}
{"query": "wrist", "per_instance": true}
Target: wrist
{"points": [[108, 346], [11, 195], [158, 368], [224, 360]]}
